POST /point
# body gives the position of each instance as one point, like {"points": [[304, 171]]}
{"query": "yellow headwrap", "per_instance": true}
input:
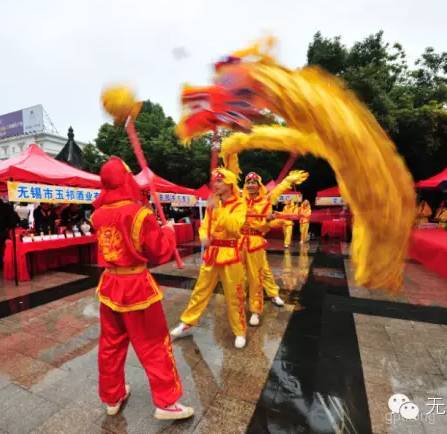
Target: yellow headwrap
{"points": [[227, 177]]}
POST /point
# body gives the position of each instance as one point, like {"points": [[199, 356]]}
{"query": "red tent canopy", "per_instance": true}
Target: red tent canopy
{"points": [[161, 185], [434, 181], [203, 192], [329, 192], [34, 165]]}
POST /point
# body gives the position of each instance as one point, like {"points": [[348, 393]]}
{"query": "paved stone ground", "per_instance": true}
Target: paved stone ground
{"points": [[48, 367], [48, 371]]}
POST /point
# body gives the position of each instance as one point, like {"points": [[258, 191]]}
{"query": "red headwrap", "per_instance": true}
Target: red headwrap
{"points": [[118, 183], [253, 176]]}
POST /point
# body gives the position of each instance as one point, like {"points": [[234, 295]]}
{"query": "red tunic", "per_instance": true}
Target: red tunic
{"points": [[128, 237]]}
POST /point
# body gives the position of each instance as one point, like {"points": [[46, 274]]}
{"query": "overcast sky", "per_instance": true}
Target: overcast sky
{"points": [[61, 53]]}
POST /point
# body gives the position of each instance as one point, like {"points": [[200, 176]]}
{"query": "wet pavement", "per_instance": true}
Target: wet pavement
{"points": [[325, 363]]}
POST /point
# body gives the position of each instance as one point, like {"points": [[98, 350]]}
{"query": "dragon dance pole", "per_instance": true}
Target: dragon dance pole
{"points": [[286, 168], [133, 136], [215, 144]]}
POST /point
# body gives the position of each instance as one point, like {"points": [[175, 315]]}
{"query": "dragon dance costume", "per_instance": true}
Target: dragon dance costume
{"points": [[222, 261], [130, 299], [324, 118], [423, 213], [253, 243], [441, 214], [290, 209], [305, 213]]}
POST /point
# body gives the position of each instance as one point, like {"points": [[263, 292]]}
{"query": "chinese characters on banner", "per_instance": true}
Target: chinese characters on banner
{"points": [[296, 196], [328, 201], [24, 192], [178, 200]]}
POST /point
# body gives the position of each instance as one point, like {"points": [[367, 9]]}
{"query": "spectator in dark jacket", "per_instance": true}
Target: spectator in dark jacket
{"points": [[72, 215], [44, 219]]}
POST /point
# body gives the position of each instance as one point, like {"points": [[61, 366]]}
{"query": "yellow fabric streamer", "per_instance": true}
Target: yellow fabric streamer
{"points": [[231, 162], [327, 120], [371, 176]]}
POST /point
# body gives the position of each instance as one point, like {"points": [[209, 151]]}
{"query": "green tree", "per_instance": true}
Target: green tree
{"points": [[93, 158]]}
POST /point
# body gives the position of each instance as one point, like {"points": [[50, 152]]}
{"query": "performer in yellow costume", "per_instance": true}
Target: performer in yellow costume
{"points": [[441, 214], [290, 209], [253, 243], [220, 231], [305, 212], [324, 118], [423, 213]]}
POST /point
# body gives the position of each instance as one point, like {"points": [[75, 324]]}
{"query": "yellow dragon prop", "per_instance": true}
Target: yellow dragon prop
{"points": [[327, 120]]}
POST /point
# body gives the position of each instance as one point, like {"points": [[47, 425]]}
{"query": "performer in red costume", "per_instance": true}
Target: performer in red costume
{"points": [[130, 299]]}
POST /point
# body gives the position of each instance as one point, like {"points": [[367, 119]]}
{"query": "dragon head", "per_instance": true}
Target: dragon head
{"points": [[231, 102]]}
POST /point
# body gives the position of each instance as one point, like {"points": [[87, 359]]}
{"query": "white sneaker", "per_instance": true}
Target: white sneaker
{"points": [[113, 410], [278, 301], [254, 319], [173, 412], [240, 342], [181, 331]]}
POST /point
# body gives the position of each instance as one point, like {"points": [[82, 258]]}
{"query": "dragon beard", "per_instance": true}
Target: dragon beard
{"points": [[327, 120]]}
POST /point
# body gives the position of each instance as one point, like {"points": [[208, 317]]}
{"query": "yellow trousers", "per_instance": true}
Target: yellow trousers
{"points": [[232, 278], [270, 286], [304, 229], [288, 230], [259, 277]]}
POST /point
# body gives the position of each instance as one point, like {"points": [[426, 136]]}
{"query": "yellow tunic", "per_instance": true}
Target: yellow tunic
{"points": [[255, 228], [290, 209], [221, 226]]}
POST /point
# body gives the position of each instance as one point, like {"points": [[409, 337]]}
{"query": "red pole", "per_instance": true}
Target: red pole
{"points": [[215, 143], [133, 136], [286, 168]]}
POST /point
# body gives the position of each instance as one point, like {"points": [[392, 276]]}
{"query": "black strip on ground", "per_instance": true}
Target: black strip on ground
{"points": [[316, 383]]}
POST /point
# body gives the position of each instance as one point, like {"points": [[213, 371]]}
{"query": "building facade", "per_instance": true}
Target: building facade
{"points": [[52, 144]]}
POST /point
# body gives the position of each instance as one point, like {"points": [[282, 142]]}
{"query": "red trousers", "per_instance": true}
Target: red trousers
{"points": [[148, 332]]}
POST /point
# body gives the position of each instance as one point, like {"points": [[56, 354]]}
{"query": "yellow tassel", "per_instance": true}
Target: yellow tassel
{"points": [[260, 49], [120, 103]]}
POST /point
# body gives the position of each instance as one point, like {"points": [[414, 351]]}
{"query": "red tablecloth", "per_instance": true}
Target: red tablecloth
{"points": [[47, 255], [335, 228], [429, 247], [184, 232]]}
